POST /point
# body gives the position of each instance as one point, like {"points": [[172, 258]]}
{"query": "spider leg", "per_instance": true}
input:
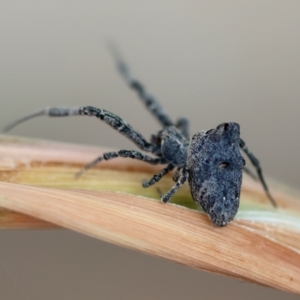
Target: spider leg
{"points": [[158, 176], [177, 174], [109, 118], [152, 105], [256, 164], [181, 180], [248, 172], [47, 111], [120, 125], [183, 125], [121, 153]]}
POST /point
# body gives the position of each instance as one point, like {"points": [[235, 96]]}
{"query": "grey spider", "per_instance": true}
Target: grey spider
{"points": [[211, 160]]}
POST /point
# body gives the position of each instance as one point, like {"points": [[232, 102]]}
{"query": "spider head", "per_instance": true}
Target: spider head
{"points": [[215, 167]]}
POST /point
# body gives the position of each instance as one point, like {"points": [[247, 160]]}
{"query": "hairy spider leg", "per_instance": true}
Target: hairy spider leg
{"points": [[183, 125], [256, 164], [120, 125], [177, 174], [47, 111], [181, 180], [109, 118], [158, 176], [248, 172], [151, 104], [122, 153]]}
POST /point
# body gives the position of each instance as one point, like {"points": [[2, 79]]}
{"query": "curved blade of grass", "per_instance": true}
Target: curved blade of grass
{"points": [[37, 182]]}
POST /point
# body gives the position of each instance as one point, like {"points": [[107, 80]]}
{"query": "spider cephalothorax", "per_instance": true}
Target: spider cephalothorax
{"points": [[211, 160]]}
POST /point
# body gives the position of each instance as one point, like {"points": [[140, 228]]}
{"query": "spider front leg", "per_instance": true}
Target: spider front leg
{"points": [[121, 153], [109, 118], [47, 111], [150, 102], [181, 180], [183, 125], [158, 176], [248, 172], [177, 174], [256, 164]]}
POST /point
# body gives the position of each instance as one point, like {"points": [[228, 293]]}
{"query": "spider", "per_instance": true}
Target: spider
{"points": [[211, 160]]}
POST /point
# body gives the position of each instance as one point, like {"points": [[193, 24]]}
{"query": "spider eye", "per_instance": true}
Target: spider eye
{"points": [[223, 165]]}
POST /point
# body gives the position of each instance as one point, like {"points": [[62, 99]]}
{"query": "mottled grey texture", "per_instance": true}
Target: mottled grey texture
{"points": [[183, 176], [151, 104], [47, 111], [256, 164], [215, 167], [120, 125], [158, 176], [211, 161]]}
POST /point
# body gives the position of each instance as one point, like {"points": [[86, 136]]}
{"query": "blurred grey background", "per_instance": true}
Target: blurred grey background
{"points": [[212, 61]]}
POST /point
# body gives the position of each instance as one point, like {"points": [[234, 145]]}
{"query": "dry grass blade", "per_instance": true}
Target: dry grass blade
{"points": [[37, 183]]}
